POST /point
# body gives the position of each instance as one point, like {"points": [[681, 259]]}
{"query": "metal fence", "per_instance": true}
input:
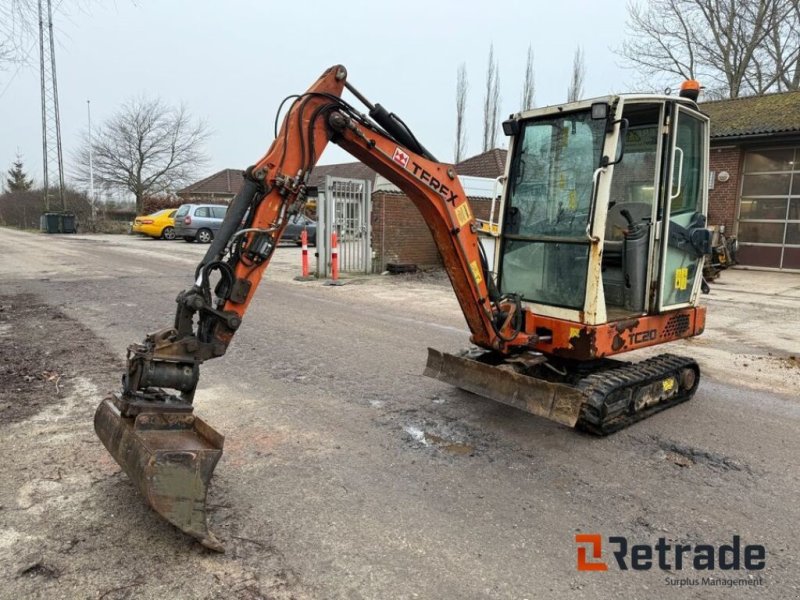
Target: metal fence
{"points": [[344, 207]]}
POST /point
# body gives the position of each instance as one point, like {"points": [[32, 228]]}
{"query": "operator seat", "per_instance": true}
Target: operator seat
{"points": [[616, 225]]}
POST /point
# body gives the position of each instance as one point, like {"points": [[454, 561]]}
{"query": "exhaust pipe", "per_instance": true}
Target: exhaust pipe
{"points": [[170, 456]]}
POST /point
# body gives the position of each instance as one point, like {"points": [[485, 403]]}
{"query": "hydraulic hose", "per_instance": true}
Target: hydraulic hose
{"points": [[233, 220]]}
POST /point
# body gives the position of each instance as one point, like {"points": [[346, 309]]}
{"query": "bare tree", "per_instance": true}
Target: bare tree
{"points": [[734, 48], [146, 148], [19, 26], [528, 86], [491, 102], [462, 87], [575, 89]]}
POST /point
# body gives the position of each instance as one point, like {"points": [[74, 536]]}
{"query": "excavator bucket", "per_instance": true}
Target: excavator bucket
{"points": [[554, 401], [170, 456]]}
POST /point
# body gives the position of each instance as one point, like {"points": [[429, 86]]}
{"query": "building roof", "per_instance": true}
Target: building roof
{"points": [[223, 183], [754, 115], [226, 183], [491, 163], [350, 170]]}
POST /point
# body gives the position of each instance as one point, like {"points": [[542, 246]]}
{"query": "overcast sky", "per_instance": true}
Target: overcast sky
{"points": [[232, 63]]}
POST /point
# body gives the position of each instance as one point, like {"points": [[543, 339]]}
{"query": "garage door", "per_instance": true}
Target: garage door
{"points": [[769, 210]]}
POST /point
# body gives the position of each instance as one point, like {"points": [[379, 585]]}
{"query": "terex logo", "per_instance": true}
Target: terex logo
{"points": [[668, 557], [434, 183], [400, 157]]}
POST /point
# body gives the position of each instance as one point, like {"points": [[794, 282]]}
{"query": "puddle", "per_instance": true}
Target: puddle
{"points": [[428, 439]]}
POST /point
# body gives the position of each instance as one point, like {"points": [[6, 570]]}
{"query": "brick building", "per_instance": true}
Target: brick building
{"points": [[399, 233], [755, 179]]}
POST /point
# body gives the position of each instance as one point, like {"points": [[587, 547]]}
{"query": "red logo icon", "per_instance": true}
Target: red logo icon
{"points": [[400, 157], [595, 541]]}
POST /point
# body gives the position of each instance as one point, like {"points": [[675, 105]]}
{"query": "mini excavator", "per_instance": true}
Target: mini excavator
{"points": [[599, 250]]}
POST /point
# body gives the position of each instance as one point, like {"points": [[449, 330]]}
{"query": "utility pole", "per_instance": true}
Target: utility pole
{"points": [[91, 166], [52, 158]]}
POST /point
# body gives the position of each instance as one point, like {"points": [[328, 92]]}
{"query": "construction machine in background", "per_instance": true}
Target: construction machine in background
{"points": [[598, 251]]}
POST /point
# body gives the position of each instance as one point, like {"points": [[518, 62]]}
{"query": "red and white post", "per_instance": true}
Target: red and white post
{"points": [[304, 244], [334, 257]]}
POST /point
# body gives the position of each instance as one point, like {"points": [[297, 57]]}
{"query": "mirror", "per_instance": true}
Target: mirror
{"points": [[623, 134]]}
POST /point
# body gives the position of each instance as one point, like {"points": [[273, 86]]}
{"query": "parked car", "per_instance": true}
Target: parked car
{"points": [[296, 225], [161, 224], [199, 221]]}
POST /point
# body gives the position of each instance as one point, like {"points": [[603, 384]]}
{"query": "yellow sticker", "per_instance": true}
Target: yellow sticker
{"points": [[668, 384], [681, 278], [574, 332], [476, 271], [573, 200], [463, 214]]}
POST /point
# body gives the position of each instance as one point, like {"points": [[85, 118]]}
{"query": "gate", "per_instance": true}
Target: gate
{"points": [[344, 207]]}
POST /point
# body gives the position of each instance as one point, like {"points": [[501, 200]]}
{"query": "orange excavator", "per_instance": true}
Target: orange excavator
{"points": [[598, 251]]}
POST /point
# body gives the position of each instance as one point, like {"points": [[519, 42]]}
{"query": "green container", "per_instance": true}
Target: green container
{"points": [[58, 222], [50, 222], [68, 224]]}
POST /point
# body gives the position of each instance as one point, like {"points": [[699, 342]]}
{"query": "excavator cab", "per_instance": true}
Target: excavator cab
{"points": [[604, 209]]}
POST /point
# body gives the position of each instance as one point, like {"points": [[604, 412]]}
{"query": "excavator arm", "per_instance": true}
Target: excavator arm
{"points": [[274, 190], [149, 427]]}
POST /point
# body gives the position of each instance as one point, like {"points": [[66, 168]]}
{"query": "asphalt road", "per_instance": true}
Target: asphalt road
{"points": [[350, 475]]}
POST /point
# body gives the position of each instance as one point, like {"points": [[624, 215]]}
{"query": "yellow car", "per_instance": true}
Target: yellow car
{"points": [[160, 224]]}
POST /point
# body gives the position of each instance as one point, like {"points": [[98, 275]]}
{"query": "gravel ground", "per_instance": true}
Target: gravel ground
{"points": [[346, 473]]}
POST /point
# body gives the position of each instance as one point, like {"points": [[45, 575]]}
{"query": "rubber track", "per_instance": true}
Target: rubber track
{"points": [[601, 416]]}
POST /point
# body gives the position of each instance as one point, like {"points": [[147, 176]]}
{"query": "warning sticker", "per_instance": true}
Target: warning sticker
{"points": [[681, 278], [400, 157], [463, 214], [476, 271]]}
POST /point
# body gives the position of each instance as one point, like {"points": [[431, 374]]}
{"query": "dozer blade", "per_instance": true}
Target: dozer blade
{"points": [[554, 401], [170, 456]]}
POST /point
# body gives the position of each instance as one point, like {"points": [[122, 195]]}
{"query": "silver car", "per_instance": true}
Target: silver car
{"points": [[199, 221]]}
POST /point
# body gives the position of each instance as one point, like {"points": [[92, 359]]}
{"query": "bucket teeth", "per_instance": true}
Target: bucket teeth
{"points": [[170, 457]]}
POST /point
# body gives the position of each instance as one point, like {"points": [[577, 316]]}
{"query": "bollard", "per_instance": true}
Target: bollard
{"points": [[334, 280], [304, 244], [334, 257]]}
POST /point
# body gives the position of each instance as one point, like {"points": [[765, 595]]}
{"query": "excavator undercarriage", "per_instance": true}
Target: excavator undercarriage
{"points": [[599, 397]]}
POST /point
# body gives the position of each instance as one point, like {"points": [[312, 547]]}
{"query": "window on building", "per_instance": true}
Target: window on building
{"points": [[769, 209]]}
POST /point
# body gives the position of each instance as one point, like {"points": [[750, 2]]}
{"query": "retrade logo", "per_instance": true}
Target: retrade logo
{"points": [[733, 556], [595, 544]]}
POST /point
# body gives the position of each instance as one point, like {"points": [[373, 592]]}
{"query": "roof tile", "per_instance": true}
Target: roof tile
{"points": [[223, 183], [754, 115], [491, 163]]}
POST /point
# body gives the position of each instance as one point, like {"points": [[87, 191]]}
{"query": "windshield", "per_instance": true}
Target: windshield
{"points": [[545, 250], [551, 185]]}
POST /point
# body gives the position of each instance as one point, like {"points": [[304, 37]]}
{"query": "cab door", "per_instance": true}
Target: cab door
{"points": [[684, 237]]}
